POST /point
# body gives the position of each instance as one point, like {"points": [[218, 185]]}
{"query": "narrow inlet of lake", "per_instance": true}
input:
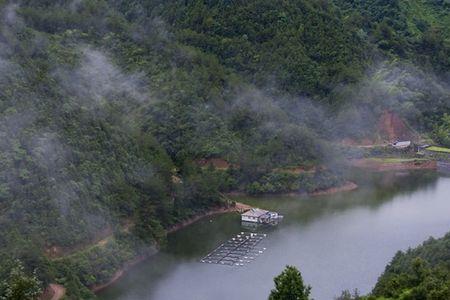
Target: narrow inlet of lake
{"points": [[338, 242]]}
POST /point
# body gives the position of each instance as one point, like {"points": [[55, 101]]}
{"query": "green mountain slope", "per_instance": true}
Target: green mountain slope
{"points": [[415, 30], [420, 273], [106, 106]]}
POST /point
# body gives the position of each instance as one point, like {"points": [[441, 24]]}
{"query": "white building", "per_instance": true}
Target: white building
{"points": [[257, 215], [401, 144]]}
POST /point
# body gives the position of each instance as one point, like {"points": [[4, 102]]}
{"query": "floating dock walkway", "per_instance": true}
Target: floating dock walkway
{"points": [[239, 250]]}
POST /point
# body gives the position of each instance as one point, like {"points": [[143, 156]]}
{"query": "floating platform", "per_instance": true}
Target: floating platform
{"points": [[237, 251]]}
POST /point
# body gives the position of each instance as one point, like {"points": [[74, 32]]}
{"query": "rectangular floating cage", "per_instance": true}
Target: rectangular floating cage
{"points": [[237, 251]]}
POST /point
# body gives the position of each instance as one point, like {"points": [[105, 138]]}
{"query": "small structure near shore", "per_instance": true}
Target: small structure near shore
{"points": [[401, 144], [261, 216]]}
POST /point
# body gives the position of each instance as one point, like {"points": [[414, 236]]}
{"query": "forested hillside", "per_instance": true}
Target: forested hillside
{"points": [[107, 106], [420, 273]]}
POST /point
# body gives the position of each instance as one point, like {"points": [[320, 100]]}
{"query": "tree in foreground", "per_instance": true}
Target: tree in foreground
{"points": [[19, 285], [346, 295], [289, 286]]}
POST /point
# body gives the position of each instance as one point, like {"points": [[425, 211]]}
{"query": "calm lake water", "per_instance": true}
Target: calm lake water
{"points": [[338, 242]]}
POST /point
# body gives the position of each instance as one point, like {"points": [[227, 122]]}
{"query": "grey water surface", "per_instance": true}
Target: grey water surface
{"points": [[338, 242]]}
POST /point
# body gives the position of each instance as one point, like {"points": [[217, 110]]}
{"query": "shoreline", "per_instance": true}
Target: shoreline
{"points": [[120, 272], [53, 292], [57, 291], [380, 166], [237, 207], [347, 186]]}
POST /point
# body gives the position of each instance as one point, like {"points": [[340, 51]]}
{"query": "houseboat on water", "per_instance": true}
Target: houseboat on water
{"points": [[261, 216]]}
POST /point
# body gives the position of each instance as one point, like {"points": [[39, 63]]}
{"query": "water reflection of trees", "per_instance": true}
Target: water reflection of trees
{"points": [[375, 189], [386, 185]]}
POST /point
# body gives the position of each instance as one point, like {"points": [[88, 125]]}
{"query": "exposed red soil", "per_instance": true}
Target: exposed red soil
{"points": [[346, 187], [57, 251], [298, 170], [53, 292], [218, 163], [391, 127], [379, 166]]}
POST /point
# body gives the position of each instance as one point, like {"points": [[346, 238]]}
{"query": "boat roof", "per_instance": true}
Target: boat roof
{"points": [[255, 212], [402, 143]]}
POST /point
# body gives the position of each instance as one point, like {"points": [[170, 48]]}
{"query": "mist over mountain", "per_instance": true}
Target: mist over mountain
{"points": [[106, 108]]}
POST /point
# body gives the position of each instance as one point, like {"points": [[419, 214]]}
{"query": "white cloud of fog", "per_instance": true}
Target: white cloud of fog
{"points": [[75, 5], [279, 111], [97, 81], [10, 17], [395, 86]]}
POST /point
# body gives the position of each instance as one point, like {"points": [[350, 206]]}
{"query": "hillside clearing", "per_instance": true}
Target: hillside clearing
{"points": [[438, 149]]}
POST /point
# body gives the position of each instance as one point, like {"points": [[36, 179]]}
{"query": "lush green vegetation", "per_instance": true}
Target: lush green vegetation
{"points": [[417, 274], [289, 286], [284, 182], [19, 285], [105, 107], [438, 149], [440, 132], [420, 273], [413, 29]]}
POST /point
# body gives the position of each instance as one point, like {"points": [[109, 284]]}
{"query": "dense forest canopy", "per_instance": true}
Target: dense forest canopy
{"points": [[106, 106]]}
